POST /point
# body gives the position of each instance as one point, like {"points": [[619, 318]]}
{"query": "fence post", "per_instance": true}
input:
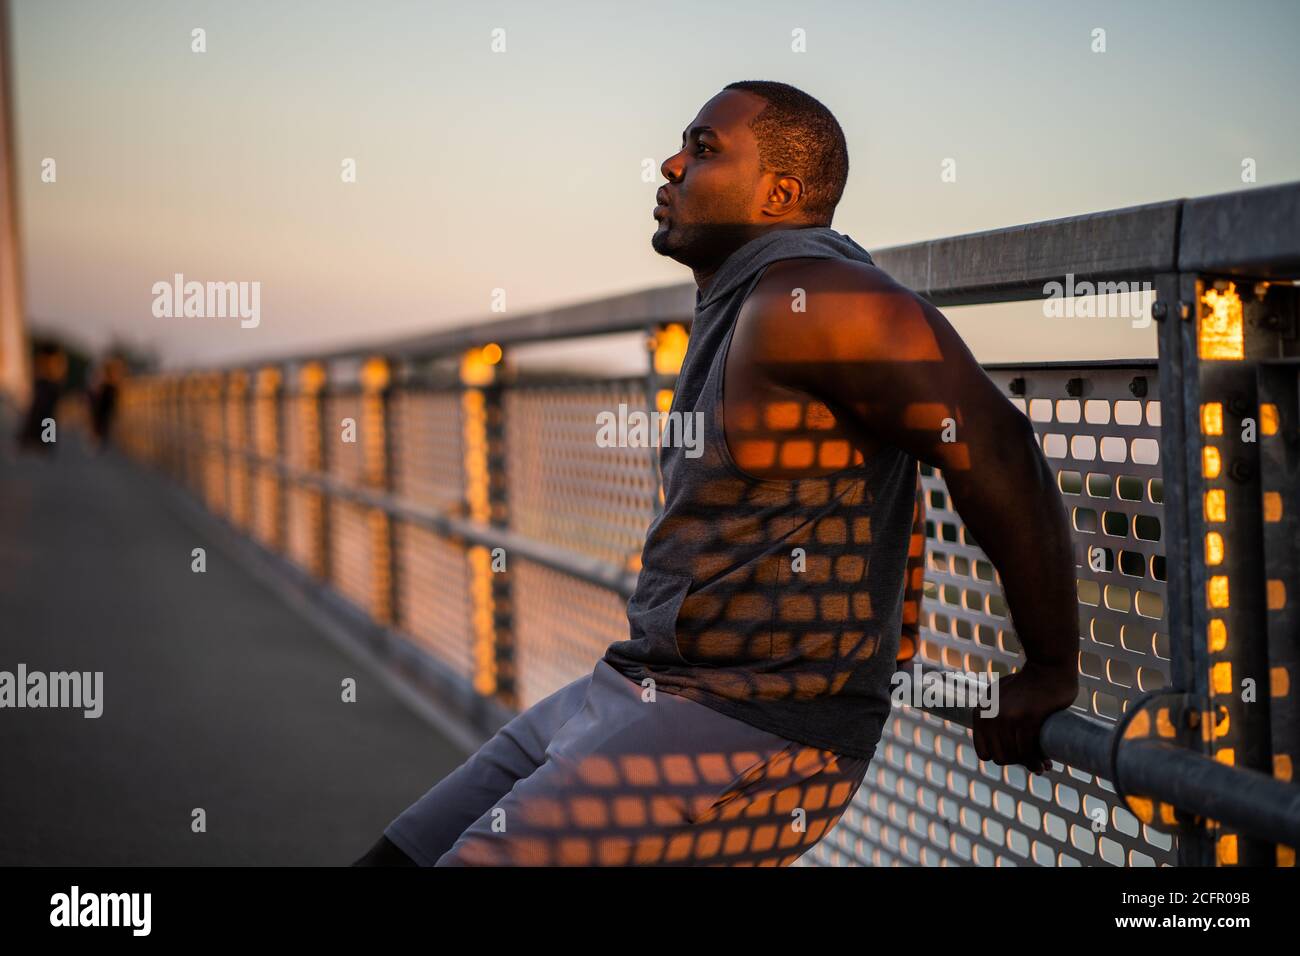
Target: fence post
{"points": [[1211, 439], [486, 501], [1182, 493], [666, 344], [222, 454], [376, 474], [1279, 397], [237, 420], [282, 399], [312, 381], [186, 436], [266, 445]]}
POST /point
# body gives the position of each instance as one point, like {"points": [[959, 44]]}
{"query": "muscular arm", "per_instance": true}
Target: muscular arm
{"points": [[871, 349]]}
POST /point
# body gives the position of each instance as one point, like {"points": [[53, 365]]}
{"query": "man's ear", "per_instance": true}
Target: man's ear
{"points": [[784, 196]]}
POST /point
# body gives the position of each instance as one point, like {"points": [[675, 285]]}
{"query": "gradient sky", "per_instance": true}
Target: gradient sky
{"points": [[523, 169]]}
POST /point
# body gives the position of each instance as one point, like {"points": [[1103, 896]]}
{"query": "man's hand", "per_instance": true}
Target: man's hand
{"points": [[1025, 699]]}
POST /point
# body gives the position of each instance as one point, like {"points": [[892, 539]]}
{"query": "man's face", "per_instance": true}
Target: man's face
{"points": [[714, 190]]}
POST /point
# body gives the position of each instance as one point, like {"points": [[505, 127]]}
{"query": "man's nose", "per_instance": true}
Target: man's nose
{"points": [[671, 168]]}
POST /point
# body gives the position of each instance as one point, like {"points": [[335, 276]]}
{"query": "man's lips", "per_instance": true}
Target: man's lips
{"points": [[661, 209]]}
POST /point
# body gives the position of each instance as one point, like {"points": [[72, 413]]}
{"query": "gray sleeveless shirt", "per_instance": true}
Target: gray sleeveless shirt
{"points": [[775, 601]]}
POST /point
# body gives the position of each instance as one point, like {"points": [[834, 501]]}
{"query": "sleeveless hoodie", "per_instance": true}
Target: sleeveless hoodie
{"points": [[774, 601]]}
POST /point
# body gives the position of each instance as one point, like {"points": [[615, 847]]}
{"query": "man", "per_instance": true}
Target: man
{"points": [[737, 721], [49, 371], [102, 397]]}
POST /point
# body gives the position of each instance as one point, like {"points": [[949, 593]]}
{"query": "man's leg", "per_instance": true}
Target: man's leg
{"points": [[779, 813], [668, 782], [429, 827]]}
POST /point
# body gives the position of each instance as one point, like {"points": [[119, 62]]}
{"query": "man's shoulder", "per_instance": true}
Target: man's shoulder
{"points": [[827, 296], [787, 280], [821, 271]]}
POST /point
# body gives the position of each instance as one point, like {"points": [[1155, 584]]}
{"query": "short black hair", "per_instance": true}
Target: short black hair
{"points": [[797, 134]]}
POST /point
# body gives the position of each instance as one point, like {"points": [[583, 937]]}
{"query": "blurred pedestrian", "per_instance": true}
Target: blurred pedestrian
{"points": [[49, 370], [103, 399]]}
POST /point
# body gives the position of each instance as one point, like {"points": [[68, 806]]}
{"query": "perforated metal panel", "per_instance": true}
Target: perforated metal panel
{"points": [[428, 456], [348, 531], [190, 437], [237, 470], [301, 431], [433, 593], [304, 504], [344, 459], [566, 490], [350, 559], [433, 597], [562, 627], [267, 500], [304, 514], [214, 455], [192, 433]]}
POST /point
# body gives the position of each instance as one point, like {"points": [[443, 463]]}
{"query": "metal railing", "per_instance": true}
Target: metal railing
{"points": [[470, 516]]}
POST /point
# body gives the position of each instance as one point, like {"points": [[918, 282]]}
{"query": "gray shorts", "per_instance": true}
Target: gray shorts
{"points": [[597, 775]]}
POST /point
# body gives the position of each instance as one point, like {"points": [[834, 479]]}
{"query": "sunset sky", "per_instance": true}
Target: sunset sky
{"points": [[523, 170]]}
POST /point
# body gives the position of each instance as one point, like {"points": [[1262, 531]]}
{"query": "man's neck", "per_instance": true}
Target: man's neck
{"points": [[704, 275]]}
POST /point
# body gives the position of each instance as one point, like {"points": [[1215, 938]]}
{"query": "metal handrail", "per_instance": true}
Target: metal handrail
{"points": [[1252, 802], [996, 265]]}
